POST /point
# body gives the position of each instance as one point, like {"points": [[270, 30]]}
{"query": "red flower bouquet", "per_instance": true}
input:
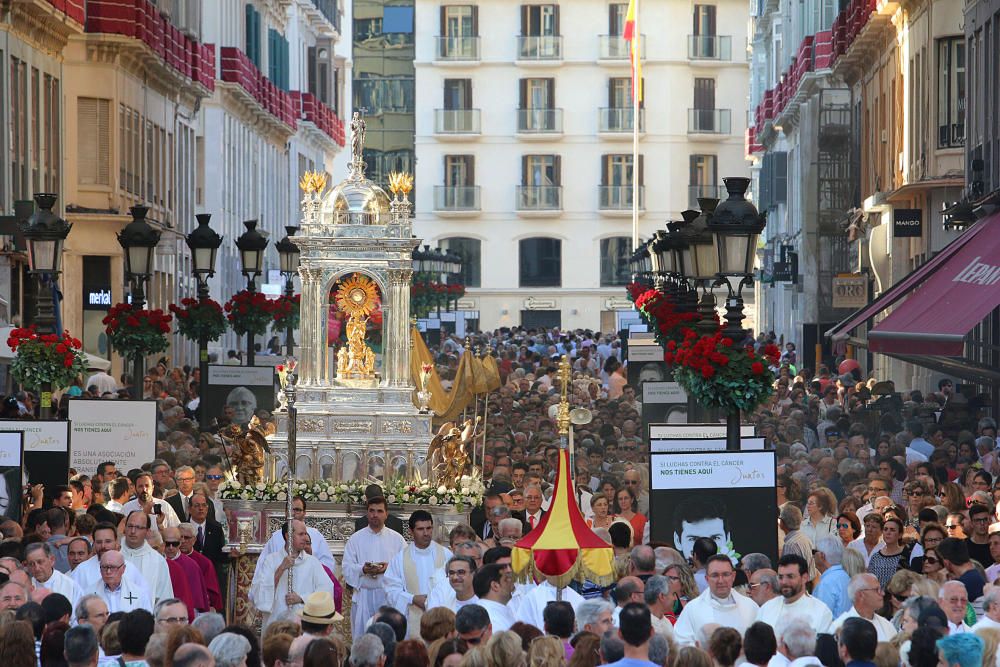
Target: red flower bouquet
{"points": [[199, 317], [286, 311], [133, 331], [48, 358], [720, 374], [663, 318], [250, 312]]}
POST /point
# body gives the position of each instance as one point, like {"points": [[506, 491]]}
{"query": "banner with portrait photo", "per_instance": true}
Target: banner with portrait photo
{"points": [[662, 403], [46, 450], [238, 392], [728, 497], [120, 431], [11, 475]]}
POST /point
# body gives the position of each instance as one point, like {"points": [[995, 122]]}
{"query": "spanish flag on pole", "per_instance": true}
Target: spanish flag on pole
{"points": [[631, 35]]}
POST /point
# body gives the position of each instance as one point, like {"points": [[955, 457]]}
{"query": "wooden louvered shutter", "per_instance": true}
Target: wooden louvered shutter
{"points": [[93, 118]]}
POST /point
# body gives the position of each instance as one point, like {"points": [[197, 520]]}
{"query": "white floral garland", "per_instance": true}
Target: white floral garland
{"points": [[469, 492]]}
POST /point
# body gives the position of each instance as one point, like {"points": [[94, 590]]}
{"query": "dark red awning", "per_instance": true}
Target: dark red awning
{"points": [[905, 286], [949, 300]]}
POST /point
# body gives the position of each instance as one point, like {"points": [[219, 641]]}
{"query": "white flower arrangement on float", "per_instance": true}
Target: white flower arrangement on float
{"points": [[467, 493]]}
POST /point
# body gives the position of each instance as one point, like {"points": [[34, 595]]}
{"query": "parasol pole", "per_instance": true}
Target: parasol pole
{"points": [[565, 432], [290, 380], [486, 403]]}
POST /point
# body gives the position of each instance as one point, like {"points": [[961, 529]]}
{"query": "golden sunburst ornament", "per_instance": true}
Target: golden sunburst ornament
{"points": [[357, 296], [312, 181]]}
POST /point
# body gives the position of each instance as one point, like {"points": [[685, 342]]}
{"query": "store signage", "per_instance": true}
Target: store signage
{"points": [[907, 223], [850, 291], [97, 298]]}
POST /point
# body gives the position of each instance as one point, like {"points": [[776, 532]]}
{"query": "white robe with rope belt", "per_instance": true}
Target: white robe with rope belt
{"points": [[367, 546], [414, 572]]}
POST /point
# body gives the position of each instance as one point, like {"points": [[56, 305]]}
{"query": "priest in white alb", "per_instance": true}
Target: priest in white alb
{"points": [[41, 562], [115, 589], [459, 592], [137, 552], [366, 558], [321, 549], [415, 570], [270, 591]]}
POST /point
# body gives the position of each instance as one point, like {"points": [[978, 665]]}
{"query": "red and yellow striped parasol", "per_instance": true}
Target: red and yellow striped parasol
{"points": [[563, 547]]}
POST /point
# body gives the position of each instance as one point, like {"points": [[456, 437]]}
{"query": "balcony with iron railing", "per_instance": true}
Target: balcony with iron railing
{"points": [[328, 8], [619, 120], [619, 198], [710, 47], [457, 121], [704, 191], [456, 198], [614, 47], [710, 121], [539, 121], [539, 198], [458, 48], [539, 47]]}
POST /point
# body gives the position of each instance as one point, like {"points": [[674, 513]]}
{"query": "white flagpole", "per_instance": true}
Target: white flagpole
{"points": [[636, 87]]}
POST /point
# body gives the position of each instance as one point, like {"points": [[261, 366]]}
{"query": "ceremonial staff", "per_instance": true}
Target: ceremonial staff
{"points": [[291, 380]]}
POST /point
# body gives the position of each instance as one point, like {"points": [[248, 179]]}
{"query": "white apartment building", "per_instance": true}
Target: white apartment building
{"points": [[524, 143], [277, 111]]}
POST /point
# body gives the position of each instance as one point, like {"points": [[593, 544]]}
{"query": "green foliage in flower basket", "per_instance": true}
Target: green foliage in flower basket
{"points": [[286, 312], [199, 317], [250, 313], [134, 331], [49, 358], [720, 374]]}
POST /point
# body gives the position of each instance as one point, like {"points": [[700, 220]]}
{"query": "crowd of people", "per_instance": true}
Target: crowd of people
{"points": [[886, 514]]}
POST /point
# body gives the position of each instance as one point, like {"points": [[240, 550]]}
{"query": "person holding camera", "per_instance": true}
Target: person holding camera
{"points": [[157, 508]]}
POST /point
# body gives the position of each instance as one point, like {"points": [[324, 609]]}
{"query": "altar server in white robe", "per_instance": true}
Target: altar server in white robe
{"points": [[533, 603], [320, 548], [414, 572], [269, 588], [443, 594], [137, 551], [41, 562], [366, 558], [115, 589], [459, 570]]}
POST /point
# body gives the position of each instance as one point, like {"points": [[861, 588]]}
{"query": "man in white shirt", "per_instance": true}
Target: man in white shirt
{"points": [[443, 594], [954, 600], [493, 585], [658, 600], [40, 562], [144, 501], [320, 547], [88, 573], [366, 559], [877, 488], [866, 594], [269, 590], [137, 551], [594, 615], [414, 571], [104, 382], [719, 604], [459, 571], [794, 601], [533, 603], [991, 610], [115, 589], [119, 492], [796, 644]]}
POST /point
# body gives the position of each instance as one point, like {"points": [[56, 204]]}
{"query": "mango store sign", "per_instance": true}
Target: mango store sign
{"points": [[715, 470], [119, 431]]}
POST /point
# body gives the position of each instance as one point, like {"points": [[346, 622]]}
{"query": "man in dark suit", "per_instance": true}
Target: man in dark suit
{"points": [[185, 477], [209, 540], [391, 520], [533, 511]]}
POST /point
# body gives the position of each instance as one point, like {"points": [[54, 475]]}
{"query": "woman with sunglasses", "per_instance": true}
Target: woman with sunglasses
{"points": [[897, 591], [930, 537], [819, 514], [848, 527], [884, 562], [682, 586], [932, 567]]}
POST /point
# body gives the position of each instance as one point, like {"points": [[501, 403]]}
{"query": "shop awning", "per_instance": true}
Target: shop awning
{"points": [[949, 301], [921, 274]]}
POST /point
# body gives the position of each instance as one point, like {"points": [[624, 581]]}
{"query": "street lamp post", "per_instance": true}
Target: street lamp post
{"points": [[138, 239], [251, 245], [736, 225], [204, 244], [288, 255], [44, 233], [705, 258]]}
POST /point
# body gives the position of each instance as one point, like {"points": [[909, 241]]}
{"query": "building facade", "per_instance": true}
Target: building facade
{"points": [[524, 144], [181, 106], [856, 125]]}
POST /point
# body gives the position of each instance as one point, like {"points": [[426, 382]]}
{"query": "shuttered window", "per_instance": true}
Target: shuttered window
{"points": [[93, 120]]}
